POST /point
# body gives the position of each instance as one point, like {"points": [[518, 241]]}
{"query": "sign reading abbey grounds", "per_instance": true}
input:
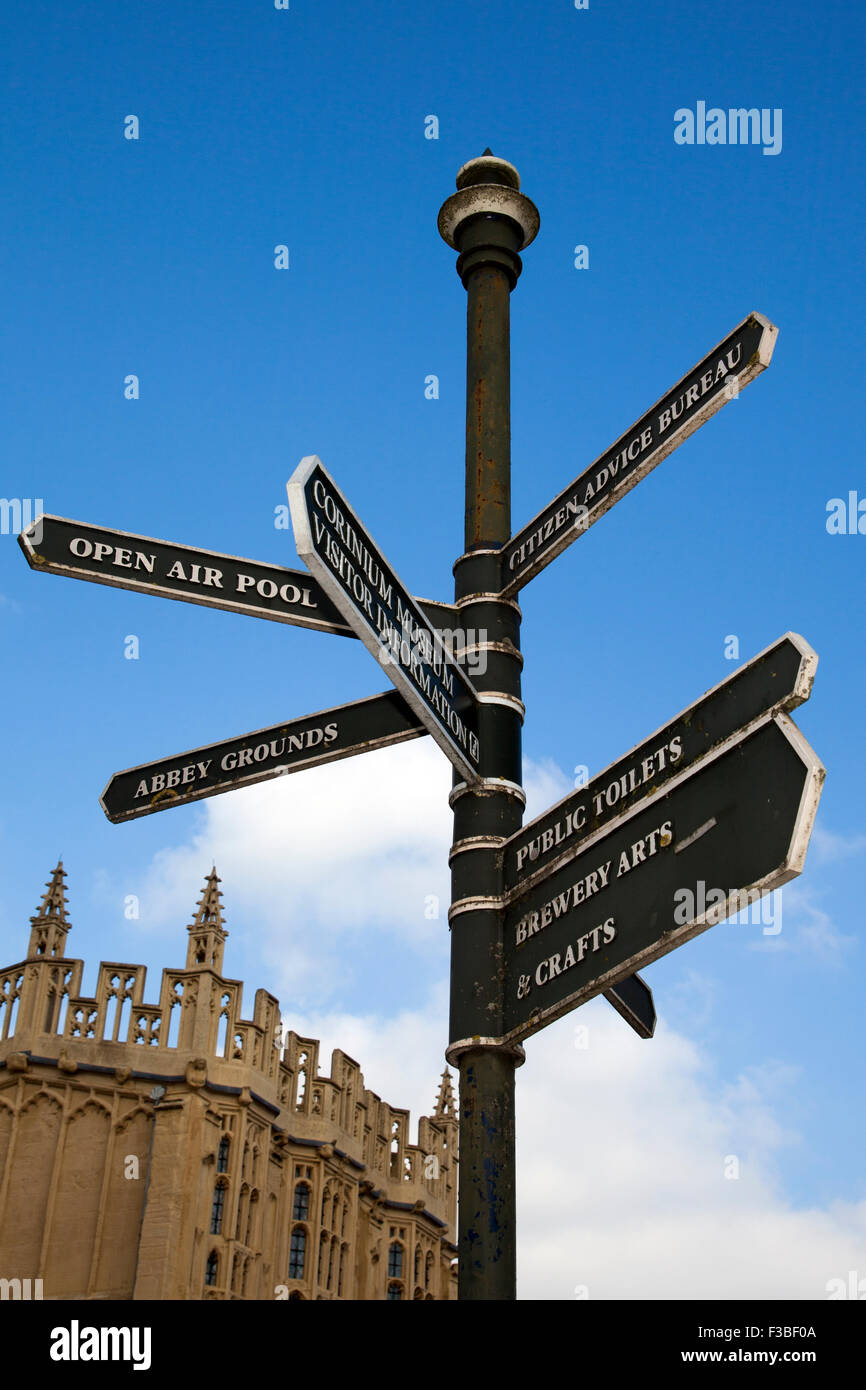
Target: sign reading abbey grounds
{"points": [[352, 570], [705, 389], [336, 733]]}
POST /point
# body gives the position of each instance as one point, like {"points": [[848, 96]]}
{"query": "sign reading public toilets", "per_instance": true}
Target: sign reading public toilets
{"points": [[739, 820], [56, 545], [353, 572], [318, 738], [719, 378], [776, 680]]}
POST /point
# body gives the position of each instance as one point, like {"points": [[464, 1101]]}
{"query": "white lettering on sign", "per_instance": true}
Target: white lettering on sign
{"points": [[268, 588], [173, 777], [238, 758], [84, 549], [209, 577], [699, 387], [592, 883], [599, 803], [573, 509], [183, 570], [404, 640], [574, 953]]}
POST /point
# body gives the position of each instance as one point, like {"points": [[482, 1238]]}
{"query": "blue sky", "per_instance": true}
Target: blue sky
{"points": [[306, 127]]}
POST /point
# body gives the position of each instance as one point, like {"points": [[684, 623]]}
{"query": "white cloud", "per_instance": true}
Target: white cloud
{"points": [[805, 927], [829, 847]]}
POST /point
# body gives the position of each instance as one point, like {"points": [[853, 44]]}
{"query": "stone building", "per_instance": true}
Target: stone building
{"points": [[177, 1150]]}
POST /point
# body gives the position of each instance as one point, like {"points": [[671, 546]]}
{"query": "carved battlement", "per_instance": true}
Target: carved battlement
{"points": [[196, 1034]]}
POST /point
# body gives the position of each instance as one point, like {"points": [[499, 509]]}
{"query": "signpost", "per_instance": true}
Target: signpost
{"points": [[544, 916], [363, 586], [319, 738]]}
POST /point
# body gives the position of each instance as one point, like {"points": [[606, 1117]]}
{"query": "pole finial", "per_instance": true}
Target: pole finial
{"points": [[488, 168]]}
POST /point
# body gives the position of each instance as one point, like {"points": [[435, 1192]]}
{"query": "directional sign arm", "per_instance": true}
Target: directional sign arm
{"points": [[777, 679], [77, 550], [633, 1000], [341, 554], [319, 738], [718, 378], [717, 839]]}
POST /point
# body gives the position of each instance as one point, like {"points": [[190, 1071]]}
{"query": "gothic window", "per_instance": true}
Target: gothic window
{"points": [[301, 1206], [395, 1260], [243, 1201], [334, 1251], [254, 1197], [345, 1217], [428, 1269], [216, 1211], [395, 1292], [323, 1249], [223, 1155], [417, 1263], [211, 1269], [298, 1253], [302, 1081], [344, 1251]]}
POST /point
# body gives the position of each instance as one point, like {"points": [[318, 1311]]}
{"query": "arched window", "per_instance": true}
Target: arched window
{"points": [[301, 1205], [211, 1269], [223, 1155], [428, 1269], [417, 1263], [216, 1211], [344, 1252], [298, 1253], [323, 1251], [335, 1251], [254, 1197], [395, 1292], [243, 1200], [395, 1260]]}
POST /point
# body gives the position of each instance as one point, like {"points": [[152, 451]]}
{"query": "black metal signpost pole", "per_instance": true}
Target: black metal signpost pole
{"points": [[488, 221]]}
